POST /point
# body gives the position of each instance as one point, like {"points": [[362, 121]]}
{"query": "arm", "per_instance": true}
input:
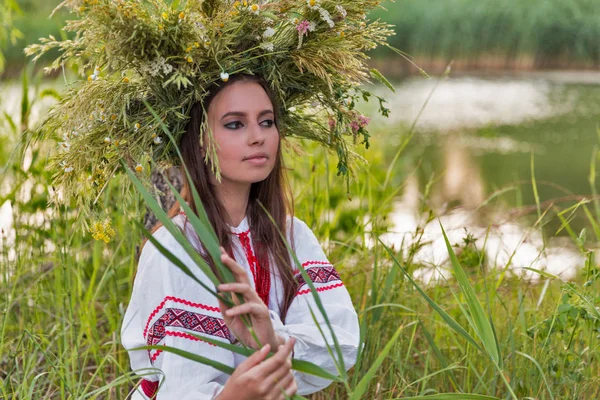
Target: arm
{"points": [[310, 344], [166, 308]]}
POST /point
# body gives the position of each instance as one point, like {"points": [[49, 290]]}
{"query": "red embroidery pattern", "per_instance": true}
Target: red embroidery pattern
{"points": [[149, 388], [262, 276], [174, 317], [319, 275], [154, 356], [320, 289], [177, 300]]}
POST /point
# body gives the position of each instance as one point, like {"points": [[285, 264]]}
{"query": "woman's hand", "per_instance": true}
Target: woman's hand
{"points": [[253, 306], [256, 379]]}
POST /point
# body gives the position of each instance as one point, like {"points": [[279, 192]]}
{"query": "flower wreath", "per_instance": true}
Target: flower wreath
{"points": [[149, 61]]}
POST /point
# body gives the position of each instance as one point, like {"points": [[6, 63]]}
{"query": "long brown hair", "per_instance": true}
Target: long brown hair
{"points": [[273, 193]]}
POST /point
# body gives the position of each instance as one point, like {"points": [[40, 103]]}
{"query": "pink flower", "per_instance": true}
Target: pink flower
{"points": [[331, 123], [303, 26], [363, 120], [354, 125]]}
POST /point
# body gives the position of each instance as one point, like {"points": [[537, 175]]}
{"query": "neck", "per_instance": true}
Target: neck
{"points": [[235, 201]]}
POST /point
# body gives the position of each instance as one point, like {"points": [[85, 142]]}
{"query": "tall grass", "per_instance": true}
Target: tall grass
{"points": [[491, 33], [63, 296]]}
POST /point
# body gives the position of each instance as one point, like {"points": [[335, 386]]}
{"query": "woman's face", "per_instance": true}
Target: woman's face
{"points": [[242, 121]]}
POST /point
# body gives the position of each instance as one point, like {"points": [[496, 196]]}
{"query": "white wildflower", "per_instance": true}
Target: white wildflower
{"points": [[325, 16], [107, 140], [269, 46], [269, 32], [224, 76], [341, 10], [65, 145], [158, 66], [313, 4], [66, 167], [312, 26], [156, 139]]}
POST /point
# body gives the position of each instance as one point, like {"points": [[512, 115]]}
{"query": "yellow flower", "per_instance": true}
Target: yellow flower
{"points": [[189, 48], [165, 15], [189, 59], [341, 34], [160, 27], [221, 25], [236, 4], [137, 126], [107, 140], [312, 3], [125, 79], [116, 143], [113, 117], [196, 44], [102, 231], [254, 8], [139, 168], [245, 4], [207, 43], [181, 15], [90, 78]]}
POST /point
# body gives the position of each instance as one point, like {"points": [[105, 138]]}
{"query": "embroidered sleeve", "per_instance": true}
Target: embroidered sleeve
{"points": [[310, 344], [167, 308]]}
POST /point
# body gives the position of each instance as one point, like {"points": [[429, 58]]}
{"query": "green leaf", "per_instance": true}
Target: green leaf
{"points": [[453, 396], [379, 76], [226, 369], [445, 316], [362, 386], [170, 226], [481, 324]]}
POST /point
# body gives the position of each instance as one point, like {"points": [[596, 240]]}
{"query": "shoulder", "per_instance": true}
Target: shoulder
{"points": [[152, 260], [164, 237], [298, 229], [306, 245]]}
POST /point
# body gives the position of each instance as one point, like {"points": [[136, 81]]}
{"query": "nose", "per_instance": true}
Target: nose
{"points": [[256, 136]]}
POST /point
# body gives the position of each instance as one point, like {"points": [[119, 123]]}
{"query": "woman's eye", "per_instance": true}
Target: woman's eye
{"points": [[234, 125], [268, 123]]}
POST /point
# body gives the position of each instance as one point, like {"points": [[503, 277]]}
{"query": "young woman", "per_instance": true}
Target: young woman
{"points": [[167, 306]]}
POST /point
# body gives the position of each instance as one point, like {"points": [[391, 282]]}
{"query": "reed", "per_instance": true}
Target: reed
{"points": [[498, 34], [479, 335]]}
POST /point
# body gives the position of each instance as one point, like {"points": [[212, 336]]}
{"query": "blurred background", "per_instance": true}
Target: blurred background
{"points": [[493, 130]]}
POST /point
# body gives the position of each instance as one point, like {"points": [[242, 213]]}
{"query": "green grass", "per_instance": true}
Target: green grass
{"points": [[63, 296]]}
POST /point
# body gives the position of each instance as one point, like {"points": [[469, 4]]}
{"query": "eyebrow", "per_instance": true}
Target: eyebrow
{"points": [[243, 114]]}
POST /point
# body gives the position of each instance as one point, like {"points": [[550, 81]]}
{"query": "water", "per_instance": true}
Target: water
{"points": [[475, 138]]}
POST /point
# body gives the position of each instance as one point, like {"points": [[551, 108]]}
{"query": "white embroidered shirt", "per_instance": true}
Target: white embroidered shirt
{"points": [[167, 306]]}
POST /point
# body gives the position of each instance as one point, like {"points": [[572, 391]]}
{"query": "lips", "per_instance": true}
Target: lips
{"points": [[256, 156]]}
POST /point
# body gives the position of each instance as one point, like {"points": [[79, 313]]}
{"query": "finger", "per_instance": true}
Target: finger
{"points": [[279, 360], [242, 288], [280, 377], [284, 384], [253, 309], [292, 388], [238, 271], [255, 359]]}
